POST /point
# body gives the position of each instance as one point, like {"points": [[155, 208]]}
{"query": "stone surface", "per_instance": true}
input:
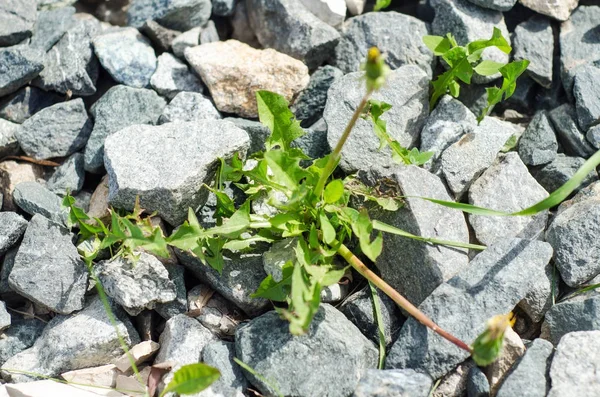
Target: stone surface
{"points": [[140, 353], [529, 376], [17, 18], [171, 183], [34, 198], [398, 36], [191, 38], [407, 90], [189, 106], [136, 285], [234, 71], [81, 340], [319, 360], [104, 375], [179, 304], [507, 186], [68, 177], [19, 66], [579, 313], [24, 103], [556, 9], [533, 40], [477, 384], [220, 354], [53, 388], [493, 283], [173, 76], [48, 269], [21, 335], [241, 26], [454, 384], [586, 90], [50, 26], [289, 27], [4, 317], [593, 136], [13, 173], [12, 227], [9, 146], [178, 15], [56, 131], [7, 264], [310, 103], [161, 37], [499, 5], [120, 107], [393, 382], [356, 7], [213, 311], [223, 8], [554, 174], [574, 367], [512, 349], [538, 143], [126, 55], [332, 12]]}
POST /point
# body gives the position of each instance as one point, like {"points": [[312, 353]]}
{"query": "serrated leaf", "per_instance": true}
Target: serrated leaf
{"points": [[488, 68], [233, 227], [437, 44], [510, 73], [276, 290], [192, 379], [273, 112], [497, 40]]}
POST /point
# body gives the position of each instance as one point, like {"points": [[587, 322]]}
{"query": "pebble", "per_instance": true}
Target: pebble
{"points": [[499, 5], [173, 76], [593, 136], [393, 383], [538, 144], [26, 102], [577, 313], [13, 173], [179, 304], [9, 146], [161, 37], [189, 106], [356, 7], [140, 353], [512, 349], [50, 26], [560, 10], [34, 198], [17, 18], [332, 12], [310, 103], [554, 174], [220, 354], [533, 40], [191, 38], [19, 66], [21, 335], [177, 15], [586, 90], [477, 383], [69, 177]]}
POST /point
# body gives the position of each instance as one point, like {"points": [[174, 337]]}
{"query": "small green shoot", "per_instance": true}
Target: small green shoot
{"points": [[191, 379]]}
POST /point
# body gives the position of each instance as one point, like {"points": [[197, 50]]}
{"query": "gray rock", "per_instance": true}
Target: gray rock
{"points": [[189, 106], [358, 308], [317, 362], [7, 264], [9, 146], [407, 90], [120, 107], [220, 354], [533, 40], [56, 131], [398, 36], [500, 5], [34, 198], [529, 377], [310, 104], [578, 45], [288, 27], [178, 15], [68, 177], [48, 269], [213, 311], [593, 136], [538, 143], [17, 18], [507, 186], [579, 313], [553, 175], [71, 66], [393, 383], [241, 26], [20, 336], [136, 285], [240, 278], [80, 340], [179, 304], [257, 131], [559, 10], [26, 102], [313, 143], [541, 297], [126, 55], [51, 26], [54, 4], [191, 38], [493, 283], [477, 384], [161, 37], [183, 156], [423, 266], [173, 76], [20, 65], [573, 370], [12, 227], [590, 192], [224, 8], [586, 90], [4, 317]]}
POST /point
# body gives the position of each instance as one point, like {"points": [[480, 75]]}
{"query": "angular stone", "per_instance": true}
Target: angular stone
{"points": [[512, 349], [183, 159], [241, 26], [310, 103], [4, 317], [140, 353], [56, 131], [590, 192], [223, 8], [573, 370], [556, 9], [220, 354], [178, 15], [499, 5], [266, 345], [9, 146], [21, 335], [538, 143], [356, 7], [529, 377], [126, 55], [173, 76], [213, 311], [51, 26], [554, 174], [12, 227], [17, 18], [593, 136], [541, 297], [189, 106], [455, 382], [179, 304], [234, 71], [160, 36], [586, 90], [104, 376], [493, 283], [13, 173], [289, 27], [398, 36], [7, 264], [507, 186], [81, 340], [68, 177], [332, 12], [407, 90], [191, 38], [26, 102], [20, 65], [99, 201], [533, 40], [34, 198], [477, 384], [578, 313], [393, 382]]}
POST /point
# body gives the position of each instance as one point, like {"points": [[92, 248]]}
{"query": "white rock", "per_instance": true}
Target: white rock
{"points": [[140, 353], [331, 12], [558, 9], [46, 388], [104, 376], [356, 7]]}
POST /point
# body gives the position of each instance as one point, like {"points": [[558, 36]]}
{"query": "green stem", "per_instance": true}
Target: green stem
{"points": [[380, 325]]}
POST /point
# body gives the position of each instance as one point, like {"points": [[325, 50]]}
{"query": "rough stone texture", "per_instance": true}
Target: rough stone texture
{"points": [[512, 349], [189, 106], [9, 146], [398, 36], [556, 9], [4, 317], [533, 40], [289, 27], [241, 26], [538, 143], [223, 8], [20, 336], [19, 65], [356, 7], [56, 131], [7, 264], [68, 177], [593, 136], [234, 71], [161, 37], [215, 312], [574, 367], [332, 12], [220, 355], [173, 76], [578, 45], [24, 103], [423, 266], [119, 107], [183, 156], [71, 66], [310, 103], [17, 18], [529, 376], [191, 38], [126, 55], [540, 298], [590, 192], [257, 131], [178, 15], [553, 175], [34, 198], [572, 235], [477, 384], [12, 227], [407, 90], [81, 340], [13, 173], [454, 384], [50, 26], [579, 313], [393, 383], [53, 4], [499, 5], [507, 186], [136, 285], [331, 357], [179, 305], [48, 269], [493, 283], [240, 278], [586, 90]]}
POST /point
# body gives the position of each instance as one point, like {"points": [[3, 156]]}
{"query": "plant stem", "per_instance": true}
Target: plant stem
{"points": [[399, 299], [336, 154]]}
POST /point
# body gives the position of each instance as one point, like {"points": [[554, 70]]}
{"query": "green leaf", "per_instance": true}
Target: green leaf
{"points": [[286, 168], [333, 191], [273, 112], [437, 44], [187, 235], [192, 379], [497, 40], [234, 226], [381, 4], [380, 324], [488, 68], [362, 228], [511, 73], [326, 228], [276, 290]]}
